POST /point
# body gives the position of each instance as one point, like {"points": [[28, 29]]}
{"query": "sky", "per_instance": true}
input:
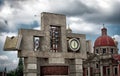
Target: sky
{"points": [[83, 16]]}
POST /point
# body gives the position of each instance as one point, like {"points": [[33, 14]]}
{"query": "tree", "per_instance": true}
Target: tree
{"points": [[11, 73], [19, 70]]}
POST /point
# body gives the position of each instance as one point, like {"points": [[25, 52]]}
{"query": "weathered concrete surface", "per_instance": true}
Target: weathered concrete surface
{"points": [[34, 60], [12, 43]]}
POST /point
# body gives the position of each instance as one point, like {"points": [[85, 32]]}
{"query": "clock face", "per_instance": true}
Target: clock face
{"points": [[74, 44]]}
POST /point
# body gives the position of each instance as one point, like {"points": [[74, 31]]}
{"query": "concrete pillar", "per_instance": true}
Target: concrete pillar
{"points": [[88, 71], [101, 70], [78, 67], [118, 68], [30, 66], [111, 70]]}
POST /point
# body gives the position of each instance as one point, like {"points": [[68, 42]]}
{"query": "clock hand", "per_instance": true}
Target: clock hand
{"points": [[74, 43]]}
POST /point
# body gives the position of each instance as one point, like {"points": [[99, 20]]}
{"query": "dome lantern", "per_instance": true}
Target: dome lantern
{"points": [[104, 30]]}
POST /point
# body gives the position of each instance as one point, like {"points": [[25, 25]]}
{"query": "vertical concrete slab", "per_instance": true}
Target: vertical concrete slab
{"points": [[49, 19], [83, 47], [30, 66]]}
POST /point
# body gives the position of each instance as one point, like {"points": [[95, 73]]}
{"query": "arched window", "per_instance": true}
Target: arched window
{"points": [[115, 71], [97, 65], [97, 51], [108, 71], [111, 51], [104, 50]]}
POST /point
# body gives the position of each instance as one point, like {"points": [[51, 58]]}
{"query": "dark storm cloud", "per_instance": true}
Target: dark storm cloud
{"points": [[27, 26], [12, 3], [115, 15], [3, 26], [1, 4], [112, 17], [75, 8], [90, 14], [15, 3]]}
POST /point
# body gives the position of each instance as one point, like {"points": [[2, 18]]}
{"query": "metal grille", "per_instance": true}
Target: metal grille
{"points": [[55, 38]]}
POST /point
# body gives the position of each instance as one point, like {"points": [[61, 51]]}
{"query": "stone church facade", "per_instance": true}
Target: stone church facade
{"points": [[52, 51], [105, 60]]}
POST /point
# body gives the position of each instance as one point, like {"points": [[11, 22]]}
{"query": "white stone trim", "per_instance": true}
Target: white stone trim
{"points": [[31, 66]]}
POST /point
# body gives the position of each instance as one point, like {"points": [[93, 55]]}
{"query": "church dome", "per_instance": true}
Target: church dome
{"points": [[104, 39]]}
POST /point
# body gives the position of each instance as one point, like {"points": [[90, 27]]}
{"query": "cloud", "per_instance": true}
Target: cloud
{"points": [[79, 25], [19, 16], [4, 35], [93, 11], [117, 38], [15, 3], [28, 26], [107, 12], [3, 57], [3, 26], [1, 4], [8, 63], [71, 7], [37, 28], [15, 61]]}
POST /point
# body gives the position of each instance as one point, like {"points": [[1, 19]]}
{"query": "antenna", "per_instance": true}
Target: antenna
{"points": [[68, 26], [103, 26]]}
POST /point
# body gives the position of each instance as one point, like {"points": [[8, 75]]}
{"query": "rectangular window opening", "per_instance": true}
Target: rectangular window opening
{"points": [[97, 65], [97, 51], [104, 51], [116, 71], [111, 50], [36, 41], [108, 71], [55, 42]]}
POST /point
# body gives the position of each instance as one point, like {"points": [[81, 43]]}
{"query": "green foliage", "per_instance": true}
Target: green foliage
{"points": [[12, 73], [18, 71]]}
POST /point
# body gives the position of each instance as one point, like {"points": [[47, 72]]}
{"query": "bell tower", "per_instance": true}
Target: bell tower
{"points": [[51, 51], [54, 27]]}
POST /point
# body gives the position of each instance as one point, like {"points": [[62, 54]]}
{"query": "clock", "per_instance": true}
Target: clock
{"points": [[74, 44]]}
